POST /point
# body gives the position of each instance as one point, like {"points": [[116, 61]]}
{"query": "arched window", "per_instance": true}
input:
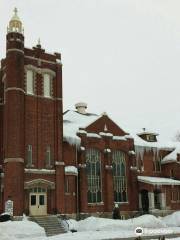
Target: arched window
{"points": [[93, 164], [48, 157], [29, 159], [157, 163], [30, 82], [47, 85], [119, 176]]}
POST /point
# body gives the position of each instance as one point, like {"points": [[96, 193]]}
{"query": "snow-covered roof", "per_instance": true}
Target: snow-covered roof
{"points": [[158, 180], [147, 133], [71, 169], [72, 122], [172, 157], [75, 122], [138, 141]]}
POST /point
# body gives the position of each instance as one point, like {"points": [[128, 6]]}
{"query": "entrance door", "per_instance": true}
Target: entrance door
{"points": [[157, 204], [145, 201], [38, 201]]}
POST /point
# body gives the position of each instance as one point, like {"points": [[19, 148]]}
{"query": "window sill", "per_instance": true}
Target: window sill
{"points": [[48, 166], [121, 202], [30, 166], [49, 97], [96, 204], [67, 193]]}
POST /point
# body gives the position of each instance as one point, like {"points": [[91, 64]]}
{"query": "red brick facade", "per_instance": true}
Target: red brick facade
{"points": [[37, 120], [30, 120]]}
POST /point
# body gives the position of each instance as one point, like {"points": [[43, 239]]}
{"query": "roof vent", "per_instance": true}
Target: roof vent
{"points": [[81, 107]]}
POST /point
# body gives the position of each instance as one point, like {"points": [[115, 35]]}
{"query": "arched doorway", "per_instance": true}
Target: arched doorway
{"points": [[145, 201], [37, 191]]}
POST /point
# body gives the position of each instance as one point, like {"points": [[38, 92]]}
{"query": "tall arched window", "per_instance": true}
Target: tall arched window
{"points": [[48, 157], [30, 82], [47, 85], [119, 176], [93, 164]]}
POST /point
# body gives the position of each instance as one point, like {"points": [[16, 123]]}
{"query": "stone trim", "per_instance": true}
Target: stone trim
{"points": [[59, 163], [31, 67], [4, 77], [15, 89], [10, 160], [15, 50], [96, 204], [37, 59], [39, 171], [108, 167], [48, 71], [40, 70], [50, 98], [83, 165], [71, 174], [40, 96], [122, 202], [16, 40], [59, 99], [2, 175], [39, 182]]}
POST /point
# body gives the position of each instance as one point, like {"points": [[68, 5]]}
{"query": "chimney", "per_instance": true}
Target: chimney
{"points": [[81, 107]]}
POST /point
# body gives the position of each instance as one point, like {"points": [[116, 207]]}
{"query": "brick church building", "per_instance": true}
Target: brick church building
{"points": [[75, 162]]}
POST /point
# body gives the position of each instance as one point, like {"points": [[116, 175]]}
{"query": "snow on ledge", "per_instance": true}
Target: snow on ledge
{"points": [[71, 170], [121, 138], [106, 134], [158, 180], [132, 152], [93, 135], [82, 148], [108, 150], [39, 171]]}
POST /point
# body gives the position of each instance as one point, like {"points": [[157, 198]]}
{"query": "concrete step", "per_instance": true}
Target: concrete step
{"points": [[51, 224]]}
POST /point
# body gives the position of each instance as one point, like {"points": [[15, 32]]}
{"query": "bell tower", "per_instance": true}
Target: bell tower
{"points": [[14, 97], [32, 125], [15, 24]]}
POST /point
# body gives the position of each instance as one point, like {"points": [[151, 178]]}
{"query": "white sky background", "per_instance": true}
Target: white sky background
{"points": [[119, 56]]}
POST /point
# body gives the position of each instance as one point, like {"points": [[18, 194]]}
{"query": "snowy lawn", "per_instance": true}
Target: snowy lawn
{"points": [[13, 230], [94, 228]]}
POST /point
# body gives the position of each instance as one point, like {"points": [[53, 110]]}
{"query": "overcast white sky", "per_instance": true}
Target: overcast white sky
{"points": [[119, 56]]}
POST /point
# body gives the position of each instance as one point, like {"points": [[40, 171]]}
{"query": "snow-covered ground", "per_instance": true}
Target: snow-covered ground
{"points": [[94, 228], [13, 230]]}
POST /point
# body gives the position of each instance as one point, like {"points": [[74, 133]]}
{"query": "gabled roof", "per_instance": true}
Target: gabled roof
{"points": [[105, 124], [72, 121], [90, 124]]}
